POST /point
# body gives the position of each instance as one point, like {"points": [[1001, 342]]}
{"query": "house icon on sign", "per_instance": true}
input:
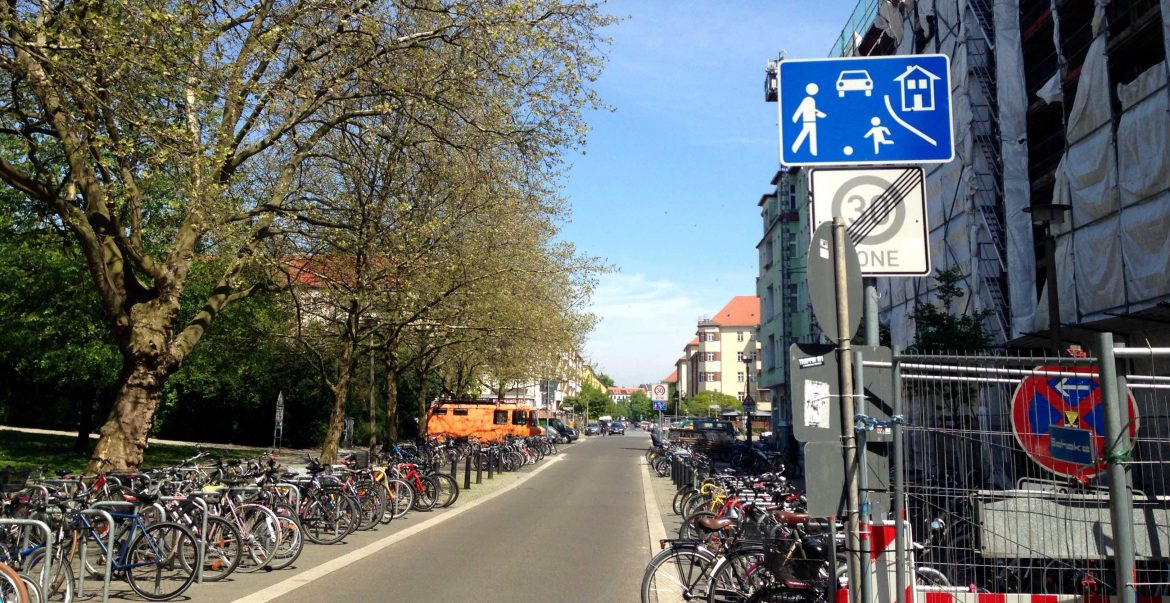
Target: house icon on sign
{"points": [[917, 85]]}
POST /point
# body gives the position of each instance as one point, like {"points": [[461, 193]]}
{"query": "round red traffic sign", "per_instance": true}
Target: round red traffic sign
{"points": [[1063, 397]]}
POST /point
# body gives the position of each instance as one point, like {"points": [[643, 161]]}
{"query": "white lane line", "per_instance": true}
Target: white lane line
{"points": [[303, 578], [654, 526]]}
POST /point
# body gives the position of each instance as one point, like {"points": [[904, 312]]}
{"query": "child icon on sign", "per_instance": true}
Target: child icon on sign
{"points": [[878, 133]]}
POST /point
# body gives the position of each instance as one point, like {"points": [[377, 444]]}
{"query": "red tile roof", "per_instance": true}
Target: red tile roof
{"points": [[672, 377], [694, 341], [741, 311]]}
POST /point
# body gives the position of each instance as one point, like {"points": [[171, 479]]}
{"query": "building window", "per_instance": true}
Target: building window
{"points": [[739, 377], [459, 412], [740, 396], [708, 337], [440, 411], [739, 335], [519, 417], [709, 356], [500, 417]]}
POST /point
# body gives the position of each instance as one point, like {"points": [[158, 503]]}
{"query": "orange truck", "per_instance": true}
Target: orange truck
{"points": [[488, 420]]}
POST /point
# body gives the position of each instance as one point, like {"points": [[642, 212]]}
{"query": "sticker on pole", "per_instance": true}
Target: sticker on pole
{"points": [[884, 210], [1059, 420]]}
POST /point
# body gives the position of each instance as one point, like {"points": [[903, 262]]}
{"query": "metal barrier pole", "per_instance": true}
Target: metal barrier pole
{"points": [[201, 543], [491, 460], [478, 467], [1118, 448], [862, 476], [467, 474], [109, 547], [454, 465], [294, 493], [899, 505], [47, 570]]}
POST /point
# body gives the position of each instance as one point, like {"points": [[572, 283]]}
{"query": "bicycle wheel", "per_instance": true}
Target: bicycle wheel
{"points": [[11, 586], [160, 561], [448, 490], [61, 583], [292, 537], [223, 547], [399, 499], [426, 494], [328, 516], [679, 573], [738, 575], [662, 466], [681, 497], [260, 530], [369, 505]]}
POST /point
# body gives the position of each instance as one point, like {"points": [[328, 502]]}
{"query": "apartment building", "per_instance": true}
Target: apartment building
{"points": [[715, 359], [1055, 209], [785, 314]]}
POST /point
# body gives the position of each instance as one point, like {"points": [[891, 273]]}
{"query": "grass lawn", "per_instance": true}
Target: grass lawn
{"points": [[53, 452]]}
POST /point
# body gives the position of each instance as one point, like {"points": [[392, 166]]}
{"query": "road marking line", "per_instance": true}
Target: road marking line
{"points": [[306, 577], [654, 526]]}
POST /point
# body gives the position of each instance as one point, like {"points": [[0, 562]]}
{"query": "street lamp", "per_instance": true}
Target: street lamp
{"points": [[1045, 215]]}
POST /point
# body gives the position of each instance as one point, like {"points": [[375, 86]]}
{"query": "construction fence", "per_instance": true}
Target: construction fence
{"points": [[1021, 474]]}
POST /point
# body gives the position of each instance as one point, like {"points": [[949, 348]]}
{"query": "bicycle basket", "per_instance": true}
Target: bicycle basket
{"points": [[14, 480]]}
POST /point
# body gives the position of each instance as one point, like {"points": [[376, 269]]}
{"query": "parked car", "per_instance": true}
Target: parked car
{"points": [[593, 429], [570, 434], [617, 428]]}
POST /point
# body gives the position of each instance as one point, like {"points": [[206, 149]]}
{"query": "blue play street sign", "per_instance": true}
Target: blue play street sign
{"points": [[866, 110]]}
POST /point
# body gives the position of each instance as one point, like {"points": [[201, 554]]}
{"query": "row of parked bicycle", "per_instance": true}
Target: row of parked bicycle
{"points": [[163, 529], [743, 537]]}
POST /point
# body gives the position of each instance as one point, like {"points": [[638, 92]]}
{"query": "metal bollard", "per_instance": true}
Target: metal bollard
{"points": [[490, 463], [479, 467], [454, 466], [467, 474]]}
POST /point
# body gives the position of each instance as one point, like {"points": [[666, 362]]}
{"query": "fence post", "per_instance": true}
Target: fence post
{"points": [[479, 467], [454, 465], [899, 502], [1117, 449], [491, 461]]}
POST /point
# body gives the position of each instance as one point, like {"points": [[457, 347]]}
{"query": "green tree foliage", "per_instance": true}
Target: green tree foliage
{"points": [[191, 137], [938, 329], [640, 406], [606, 380], [700, 403]]}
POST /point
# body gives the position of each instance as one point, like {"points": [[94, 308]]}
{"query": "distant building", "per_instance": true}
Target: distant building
{"points": [[715, 359], [621, 394]]}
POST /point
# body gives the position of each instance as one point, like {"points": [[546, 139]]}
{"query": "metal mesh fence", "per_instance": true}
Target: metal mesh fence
{"points": [[993, 500]]}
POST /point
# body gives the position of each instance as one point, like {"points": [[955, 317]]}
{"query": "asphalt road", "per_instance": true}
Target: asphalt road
{"points": [[575, 530]]}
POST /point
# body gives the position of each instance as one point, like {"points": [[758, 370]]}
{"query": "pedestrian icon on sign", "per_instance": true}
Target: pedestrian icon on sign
{"points": [[808, 114], [878, 133]]}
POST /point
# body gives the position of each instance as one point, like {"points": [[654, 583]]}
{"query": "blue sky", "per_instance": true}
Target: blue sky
{"points": [[666, 191]]}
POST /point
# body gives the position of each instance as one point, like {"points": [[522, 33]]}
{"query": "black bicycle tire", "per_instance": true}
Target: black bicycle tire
{"points": [[152, 536]]}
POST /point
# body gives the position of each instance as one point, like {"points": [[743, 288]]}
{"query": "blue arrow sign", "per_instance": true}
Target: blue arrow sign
{"points": [[866, 110]]}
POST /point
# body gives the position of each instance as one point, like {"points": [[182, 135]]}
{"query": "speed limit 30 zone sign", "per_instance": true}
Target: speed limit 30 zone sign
{"points": [[884, 210]]}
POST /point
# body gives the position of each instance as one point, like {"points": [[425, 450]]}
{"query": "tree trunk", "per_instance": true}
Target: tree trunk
{"points": [[373, 402], [123, 437], [340, 399], [423, 369], [391, 403]]}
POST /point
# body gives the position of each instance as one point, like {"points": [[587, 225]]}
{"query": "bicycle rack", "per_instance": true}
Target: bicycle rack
{"points": [[47, 571], [201, 543], [109, 548], [294, 493]]}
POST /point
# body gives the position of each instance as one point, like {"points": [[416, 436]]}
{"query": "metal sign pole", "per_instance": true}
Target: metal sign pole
{"points": [[848, 437]]}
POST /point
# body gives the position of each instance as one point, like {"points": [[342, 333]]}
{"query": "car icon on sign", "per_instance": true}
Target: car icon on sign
{"points": [[854, 80]]}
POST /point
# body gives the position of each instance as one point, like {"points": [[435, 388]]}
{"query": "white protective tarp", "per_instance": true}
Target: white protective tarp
{"points": [[1146, 247], [1089, 260], [1099, 271], [1090, 109], [1143, 137], [1017, 192]]}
